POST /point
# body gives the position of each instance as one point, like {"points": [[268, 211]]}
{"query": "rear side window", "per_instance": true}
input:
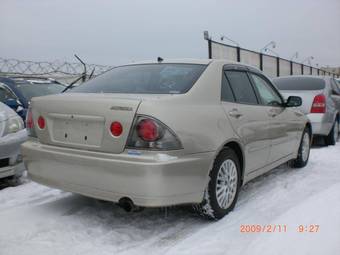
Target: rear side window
{"points": [[299, 83], [335, 87], [226, 92], [241, 86], [145, 79]]}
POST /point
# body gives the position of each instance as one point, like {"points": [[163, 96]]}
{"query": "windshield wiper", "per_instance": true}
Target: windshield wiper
{"points": [[82, 77], [71, 84]]}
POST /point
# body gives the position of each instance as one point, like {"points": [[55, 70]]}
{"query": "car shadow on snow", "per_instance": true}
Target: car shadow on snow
{"points": [[10, 182], [109, 224]]}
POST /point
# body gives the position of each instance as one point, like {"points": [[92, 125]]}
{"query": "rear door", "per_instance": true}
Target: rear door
{"points": [[283, 124], [248, 118]]}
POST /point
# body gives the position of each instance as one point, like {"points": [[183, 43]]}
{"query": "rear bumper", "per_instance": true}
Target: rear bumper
{"points": [[149, 179], [320, 125]]}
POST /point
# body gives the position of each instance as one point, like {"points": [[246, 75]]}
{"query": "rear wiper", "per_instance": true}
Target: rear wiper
{"points": [[71, 84], [82, 77]]}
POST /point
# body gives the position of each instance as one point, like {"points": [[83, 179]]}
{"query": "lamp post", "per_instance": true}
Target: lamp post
{"points": [[266, 48], [308, 59], [223, 37]]}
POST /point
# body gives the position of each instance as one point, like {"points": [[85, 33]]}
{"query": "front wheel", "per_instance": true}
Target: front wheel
{"points": [[304, 149], [221, 193]]}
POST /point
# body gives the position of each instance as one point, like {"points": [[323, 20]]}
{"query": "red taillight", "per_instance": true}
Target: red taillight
{"points": [[319, 104], [116, 128], [152, 134], [29, 120], [41, 122], [147, 129]]}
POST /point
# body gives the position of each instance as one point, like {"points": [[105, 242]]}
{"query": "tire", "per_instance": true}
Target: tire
{"points": [[333, 136], [303, 155], [212, 206]]}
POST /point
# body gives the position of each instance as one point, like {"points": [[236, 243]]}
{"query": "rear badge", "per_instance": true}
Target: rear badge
{"points": [[121, 108]]}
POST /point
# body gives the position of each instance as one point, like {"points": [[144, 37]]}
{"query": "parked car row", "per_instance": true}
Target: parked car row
{"points": [[165, 133]]}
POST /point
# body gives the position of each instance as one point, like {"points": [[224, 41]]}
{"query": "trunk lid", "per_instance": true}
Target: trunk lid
{"points": [[83, 121], [306, 95]]}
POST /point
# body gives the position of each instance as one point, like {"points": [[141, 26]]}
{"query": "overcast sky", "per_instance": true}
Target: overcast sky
{"points": [[115, 32]]}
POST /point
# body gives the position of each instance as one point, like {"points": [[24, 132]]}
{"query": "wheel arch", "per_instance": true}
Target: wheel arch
{"points": [[237, 147], [309, 126]]}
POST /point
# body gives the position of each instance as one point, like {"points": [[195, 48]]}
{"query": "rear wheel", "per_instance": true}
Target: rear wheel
{"points": [[333, 136], [304, 149], [221, 194]]}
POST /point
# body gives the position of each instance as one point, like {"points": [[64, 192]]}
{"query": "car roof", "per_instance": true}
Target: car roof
{"points": [[303, 76], [195, 61], [175, 61], [27, 79]]}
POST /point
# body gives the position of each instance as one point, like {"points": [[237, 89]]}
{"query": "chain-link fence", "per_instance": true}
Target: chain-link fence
{"points": [[273, 66]]}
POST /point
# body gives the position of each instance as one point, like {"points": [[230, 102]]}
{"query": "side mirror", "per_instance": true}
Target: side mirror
{"points": [[12, 103], [293, 101]]}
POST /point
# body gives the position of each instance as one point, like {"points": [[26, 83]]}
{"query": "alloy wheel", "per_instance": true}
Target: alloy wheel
{"points": [[226, 183]]}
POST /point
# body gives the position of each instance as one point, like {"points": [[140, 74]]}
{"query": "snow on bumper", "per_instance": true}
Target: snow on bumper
{"points": [[149, 179]]}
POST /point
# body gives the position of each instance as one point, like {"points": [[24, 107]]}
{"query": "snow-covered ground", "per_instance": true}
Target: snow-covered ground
{"points": [[38, 220]]}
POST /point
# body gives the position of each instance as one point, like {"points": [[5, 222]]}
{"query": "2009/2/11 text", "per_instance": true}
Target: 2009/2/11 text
{"points": [[277, 228]]}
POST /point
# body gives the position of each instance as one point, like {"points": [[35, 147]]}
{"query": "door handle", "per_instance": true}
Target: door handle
{"points": [[235, 113], [272, 113]]}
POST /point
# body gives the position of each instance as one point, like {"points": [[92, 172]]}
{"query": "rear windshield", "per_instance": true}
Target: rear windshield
{"points": [[299, 83], [145, 79]]}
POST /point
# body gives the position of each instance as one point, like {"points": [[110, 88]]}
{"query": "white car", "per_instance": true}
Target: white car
{"points": [[12, 135]]}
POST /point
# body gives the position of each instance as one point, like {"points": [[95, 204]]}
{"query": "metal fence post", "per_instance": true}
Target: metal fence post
{"points": [[261, 61], [311, 70], [238, 52], [209, 49], [291, 67], [302, 68], [277, 66]]}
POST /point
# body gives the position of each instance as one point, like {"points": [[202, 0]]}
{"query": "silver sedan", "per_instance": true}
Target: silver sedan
{"points": [[12, 135], [321, 102], [166, 133]]}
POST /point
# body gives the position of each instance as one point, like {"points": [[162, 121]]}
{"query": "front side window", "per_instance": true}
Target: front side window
{"points": [[145, 79], [267, 94], [241, 86]]}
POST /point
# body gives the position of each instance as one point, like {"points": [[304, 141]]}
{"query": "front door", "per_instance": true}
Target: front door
{"points": [[247, 117], [282, 126]]}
